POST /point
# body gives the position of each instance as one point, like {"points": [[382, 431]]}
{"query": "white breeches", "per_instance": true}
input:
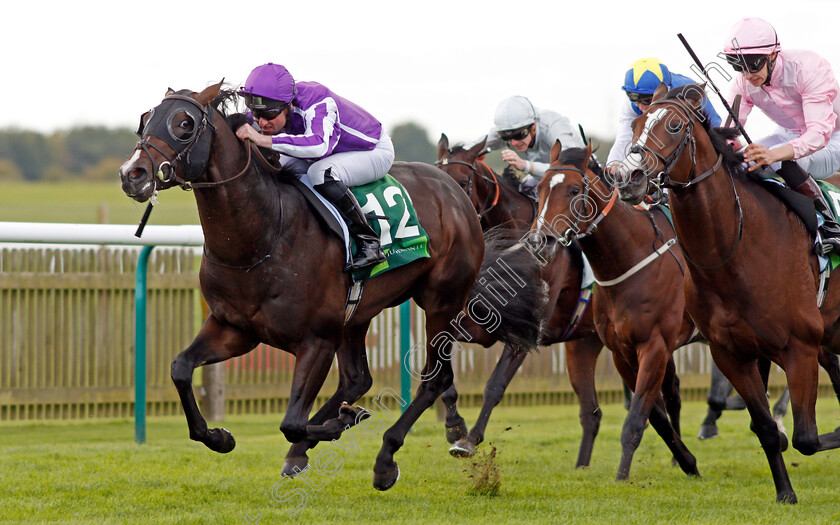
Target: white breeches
{"points": [[353, 168], [819, 164]]}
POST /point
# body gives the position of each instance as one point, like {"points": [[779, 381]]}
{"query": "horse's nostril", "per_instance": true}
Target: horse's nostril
{"points": [[138, 173]]}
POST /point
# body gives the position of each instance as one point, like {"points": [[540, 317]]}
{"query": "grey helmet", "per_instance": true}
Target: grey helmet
{"points": [[514, 113]]}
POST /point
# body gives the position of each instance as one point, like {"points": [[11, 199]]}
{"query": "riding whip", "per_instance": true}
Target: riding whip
{"points": [[711, 83]]}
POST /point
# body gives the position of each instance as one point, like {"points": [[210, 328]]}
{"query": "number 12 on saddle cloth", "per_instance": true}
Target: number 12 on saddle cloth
{"points": [[390, 213]]}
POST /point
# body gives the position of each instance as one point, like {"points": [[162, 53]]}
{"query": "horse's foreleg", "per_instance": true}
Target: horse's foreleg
{"points": [[802, 370], [312, 363], [653, 363], [456, 427], [509, 362], [214, 343], [581, 357], [354, 380], [671, 394], [747, 381]]}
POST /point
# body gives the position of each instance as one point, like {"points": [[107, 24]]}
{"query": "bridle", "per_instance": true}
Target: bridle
{"points": [[664, 180], [192, 153], [572, 232], [492, 197]]}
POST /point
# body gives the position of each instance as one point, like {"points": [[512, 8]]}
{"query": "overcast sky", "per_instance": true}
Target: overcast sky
{"points": [[442, 64]]}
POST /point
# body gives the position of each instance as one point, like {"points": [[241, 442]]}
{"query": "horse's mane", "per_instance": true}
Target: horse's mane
{"points": [[226, 104], [577, 157], [732, 160]]}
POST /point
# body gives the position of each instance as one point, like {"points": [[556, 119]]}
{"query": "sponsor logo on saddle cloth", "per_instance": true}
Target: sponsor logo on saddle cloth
{"points": [[390, 213]]}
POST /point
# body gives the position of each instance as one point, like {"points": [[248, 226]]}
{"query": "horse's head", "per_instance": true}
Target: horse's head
{"points": [[570, 197], [461, 164], [663, 151], [176, 139]]}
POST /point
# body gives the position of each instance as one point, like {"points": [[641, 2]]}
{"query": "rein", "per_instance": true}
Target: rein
{"points": [[663, 179]]}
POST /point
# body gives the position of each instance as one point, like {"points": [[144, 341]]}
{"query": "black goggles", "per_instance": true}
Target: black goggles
{"points": [[751, 63], [262, 107], [640, 98], [268, 114], [516, 134]]}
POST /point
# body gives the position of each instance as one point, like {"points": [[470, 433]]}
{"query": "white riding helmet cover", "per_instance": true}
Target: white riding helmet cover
{"points": [[514, 113]]}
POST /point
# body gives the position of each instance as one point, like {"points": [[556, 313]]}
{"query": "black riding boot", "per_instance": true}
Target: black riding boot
{"points": [[368, 250], [799, 180]]}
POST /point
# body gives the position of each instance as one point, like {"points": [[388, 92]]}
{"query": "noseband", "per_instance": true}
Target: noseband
{"points": [[663, 178], [572, 233], [487, 205]]}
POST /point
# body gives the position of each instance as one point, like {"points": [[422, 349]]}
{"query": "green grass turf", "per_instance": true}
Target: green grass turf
{"points": [[92, 472], [90, 202]]}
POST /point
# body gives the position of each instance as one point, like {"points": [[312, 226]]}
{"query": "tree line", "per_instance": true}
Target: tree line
{"points": [[96, 152]]}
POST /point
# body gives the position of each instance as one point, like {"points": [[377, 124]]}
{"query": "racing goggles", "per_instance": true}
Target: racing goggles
{"points": [[751, 63], [515, 134], [640, 98]]}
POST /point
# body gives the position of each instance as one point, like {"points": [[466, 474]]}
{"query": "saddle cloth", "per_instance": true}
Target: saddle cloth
{"points": [[389, 212]]}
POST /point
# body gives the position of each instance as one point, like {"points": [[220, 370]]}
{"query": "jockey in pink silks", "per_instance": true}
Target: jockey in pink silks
{"points": [[798, 91]]}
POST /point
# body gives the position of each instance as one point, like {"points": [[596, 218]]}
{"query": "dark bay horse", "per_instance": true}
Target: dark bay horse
{"points": [[753, 278], [271, 273], [638, 301], [499, 205]]}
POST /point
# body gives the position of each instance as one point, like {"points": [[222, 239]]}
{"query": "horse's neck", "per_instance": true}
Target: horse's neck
{"points": [[239, 218], [512, 207], [707, 215], [620, 240]]}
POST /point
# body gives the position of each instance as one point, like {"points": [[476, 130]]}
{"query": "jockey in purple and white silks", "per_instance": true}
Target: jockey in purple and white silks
{"points": [[798, 91], [331, 139]]}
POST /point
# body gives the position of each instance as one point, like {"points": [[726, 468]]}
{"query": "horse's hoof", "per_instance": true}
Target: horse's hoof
{"points": [[358, 413], [459, 431], [385, 481], [220, 440], [462, 449], [294, 466], [707, 432]]}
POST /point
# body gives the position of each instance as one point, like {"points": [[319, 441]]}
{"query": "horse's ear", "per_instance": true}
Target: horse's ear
{"points": [[443, 147], [588, 152], [694, 94], [661, 91], [478, 150], [555, 151], [209, 93], [169, 91]]}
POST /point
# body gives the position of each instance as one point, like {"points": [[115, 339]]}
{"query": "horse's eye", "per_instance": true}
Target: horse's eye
{"points": [[462, 183], [574, 190]]}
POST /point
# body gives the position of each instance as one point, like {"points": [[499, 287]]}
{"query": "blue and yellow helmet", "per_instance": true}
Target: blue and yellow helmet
{"points": [[645, 75]]}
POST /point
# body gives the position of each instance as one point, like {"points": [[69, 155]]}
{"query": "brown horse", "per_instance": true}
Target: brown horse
{"points": [[271, 273], [499, 205], [638, 300], [753, 278]]}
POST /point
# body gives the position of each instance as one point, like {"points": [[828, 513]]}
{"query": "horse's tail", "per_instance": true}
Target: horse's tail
{"points": [[509, 297]]}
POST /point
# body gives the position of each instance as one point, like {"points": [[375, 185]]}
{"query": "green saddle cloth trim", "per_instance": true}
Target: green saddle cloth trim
{"points": [[667, 211], [402, 237], [832, 197]]}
